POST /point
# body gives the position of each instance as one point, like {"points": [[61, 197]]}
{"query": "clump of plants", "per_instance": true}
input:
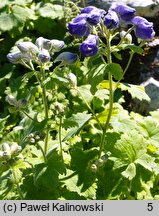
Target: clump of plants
{"points": [[73, 139]]}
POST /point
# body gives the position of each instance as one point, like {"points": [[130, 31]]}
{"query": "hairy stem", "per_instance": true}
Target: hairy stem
{"points": [[25, 113], [111, 95], [60, 139], [44, 98], [125, 70]]}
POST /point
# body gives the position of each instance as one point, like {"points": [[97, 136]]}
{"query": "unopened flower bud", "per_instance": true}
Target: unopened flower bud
{"points": [[37, 137], [104, 157], [5, 147], [22, 103], [54, 45], [14, 57], [15, 148], [1, 155], [127, 37], [67, 58], [32, 140], [44, 56], [94, 167], [73, 79], [31, 135], [11, 100], [27, 46], [40, 43], [99, 162], [6, 150]]}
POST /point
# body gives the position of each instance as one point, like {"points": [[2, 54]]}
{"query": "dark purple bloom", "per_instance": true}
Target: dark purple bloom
{"points": [[94, 14], [89, 46], [94, 17], [78, 26], [111, 20], [125, 12], [144, 29], [88, 9], [80, 17]]}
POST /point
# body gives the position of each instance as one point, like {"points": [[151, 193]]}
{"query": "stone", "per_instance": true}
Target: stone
{"points": [[151, 88], [146, 8]]}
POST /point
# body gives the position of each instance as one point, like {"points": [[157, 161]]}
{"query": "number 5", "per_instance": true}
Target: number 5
{"points": [[150, 206]]}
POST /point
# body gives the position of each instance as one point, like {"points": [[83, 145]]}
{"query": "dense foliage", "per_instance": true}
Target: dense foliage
{"points": [[64, 132]]}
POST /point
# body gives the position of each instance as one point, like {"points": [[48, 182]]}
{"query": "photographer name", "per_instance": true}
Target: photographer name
{"points": [[61, 207]]}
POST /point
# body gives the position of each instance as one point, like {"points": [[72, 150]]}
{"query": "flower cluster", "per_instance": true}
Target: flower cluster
{"points": [[40, 52], [91, 17], [9, 151]]}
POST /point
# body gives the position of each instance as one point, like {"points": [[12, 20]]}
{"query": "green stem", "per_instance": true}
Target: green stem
{"points": [[125, 70], [111, 95], [45, 107], [42, 152], [128, 32], [17, 184], [44, 92], [60, 140], [25, 113]]}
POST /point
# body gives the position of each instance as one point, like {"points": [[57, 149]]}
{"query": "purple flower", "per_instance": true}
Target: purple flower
{"points": [[67, 58], [40, 42], [44, 56], [80, 17], [54, 45], [27, 47], [88, 9], [14, 57], [78, 26], [89, 46], [124, 11], [144, 29], [111, 20], [94, 17]]}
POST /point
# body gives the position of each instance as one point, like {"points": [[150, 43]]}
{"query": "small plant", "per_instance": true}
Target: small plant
{"points": [[74, 140]]}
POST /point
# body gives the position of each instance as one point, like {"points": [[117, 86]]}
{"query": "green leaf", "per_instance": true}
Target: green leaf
{"points": [[146, 161], [132, 47], [95, 76], [149, 128], [130, 171], [7, 22], [116, 70], [122, 122], [77, 121], [105, 84], [23, 13], [52, 11], [136, 91], [46, 175], [130, 146], [85, 92], [71, 185], [81, 162], [102, 116]]}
